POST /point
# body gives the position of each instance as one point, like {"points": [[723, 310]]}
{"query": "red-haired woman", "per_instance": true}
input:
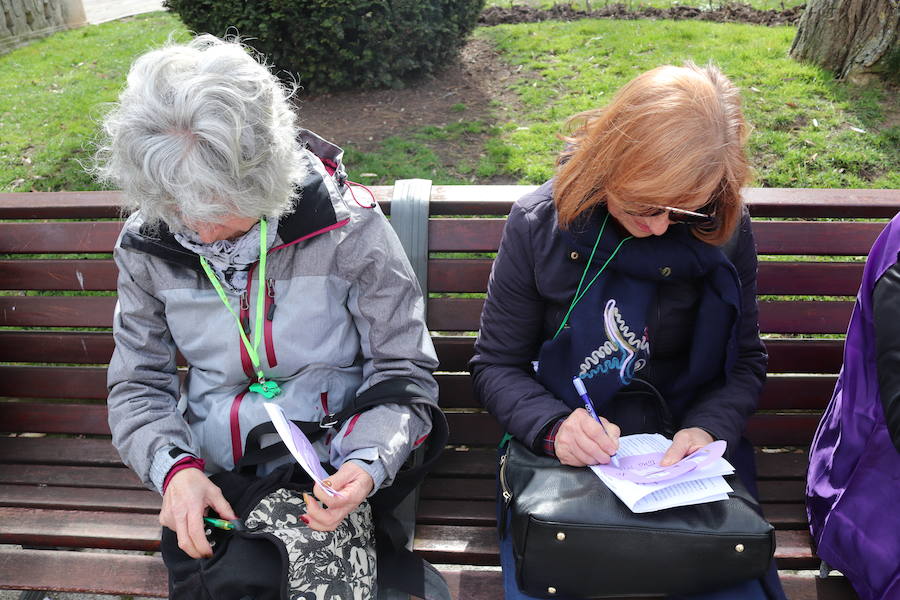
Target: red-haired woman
{"points": [[636, 261]]}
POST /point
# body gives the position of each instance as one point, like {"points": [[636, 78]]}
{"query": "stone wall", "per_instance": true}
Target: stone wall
{"points": [[25, 20]]}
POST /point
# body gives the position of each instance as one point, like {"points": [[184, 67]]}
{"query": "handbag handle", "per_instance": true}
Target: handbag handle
{"points": [[667, 423]]}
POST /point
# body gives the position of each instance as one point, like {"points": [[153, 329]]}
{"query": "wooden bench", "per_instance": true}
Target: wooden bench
{"points": [[64, 494]]}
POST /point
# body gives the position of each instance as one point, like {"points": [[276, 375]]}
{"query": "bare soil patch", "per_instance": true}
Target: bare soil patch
{"points": [[478, 79], [724, 13]]}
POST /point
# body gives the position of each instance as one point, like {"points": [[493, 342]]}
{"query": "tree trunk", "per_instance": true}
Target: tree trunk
{"points": [[855, 39]]}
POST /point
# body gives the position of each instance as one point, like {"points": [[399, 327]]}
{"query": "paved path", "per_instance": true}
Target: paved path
{"points": [[100, 11]]}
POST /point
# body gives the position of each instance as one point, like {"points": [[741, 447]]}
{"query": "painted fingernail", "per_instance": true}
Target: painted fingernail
{"points": [[328, 483], [306, 498], [305, 519]]}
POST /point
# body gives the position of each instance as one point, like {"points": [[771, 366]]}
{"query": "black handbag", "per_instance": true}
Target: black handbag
{"points": [[572, 536], [257, 560]]}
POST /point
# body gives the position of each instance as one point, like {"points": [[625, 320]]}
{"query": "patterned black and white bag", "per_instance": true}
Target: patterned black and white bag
{"points": [[322, 564], [276, 556]]}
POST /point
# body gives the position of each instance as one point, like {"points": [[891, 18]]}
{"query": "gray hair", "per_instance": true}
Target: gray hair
{"points": [[202, 131]]}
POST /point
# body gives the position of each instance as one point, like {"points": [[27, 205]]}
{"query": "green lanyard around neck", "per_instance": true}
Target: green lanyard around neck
{"points": [[579, 293], [268, 389]]}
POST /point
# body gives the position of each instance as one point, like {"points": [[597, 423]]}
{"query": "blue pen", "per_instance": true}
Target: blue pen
{"points": [[589, 406]]}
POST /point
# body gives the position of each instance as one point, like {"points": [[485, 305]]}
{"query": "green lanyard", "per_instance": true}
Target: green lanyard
{"points": [[268, 389], [579, 293]]}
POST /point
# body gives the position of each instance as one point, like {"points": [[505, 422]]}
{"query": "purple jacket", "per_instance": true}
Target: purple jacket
{"points": [[854, 469], [534, 277]]}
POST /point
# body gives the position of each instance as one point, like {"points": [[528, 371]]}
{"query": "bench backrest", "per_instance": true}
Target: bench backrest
{"points": [[58, 294]]}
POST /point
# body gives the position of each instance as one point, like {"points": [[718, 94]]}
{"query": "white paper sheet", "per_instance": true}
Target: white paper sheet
{"points": [[299, 446], [700, 485]]}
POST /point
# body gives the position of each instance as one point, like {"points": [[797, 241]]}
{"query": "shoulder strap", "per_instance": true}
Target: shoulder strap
{"points": [[392, 391]]}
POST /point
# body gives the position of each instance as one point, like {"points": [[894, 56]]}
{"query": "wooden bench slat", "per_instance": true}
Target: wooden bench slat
{"points": [[57, 311], [446, 275], [465, 428], [772, 237], [452, 488], [795, 316], [111, 478], [89, 383], [789, 355], [470, 463], [81, 383], [85, 347], [768, 202], [59, 451], [83, 572], [762, 429], [431, 511], [804, 316], [483, 513], [815, 238], [58, 238], [462, 462], [73, 274], [786, 355], [465, 235], [444, 314], [130, 574], [481, 463], [450, 544], [491, 200], [79, 529], [781, 392], [809, 278], [60, 205], [54, 418], [458, 275], [73, 498]]}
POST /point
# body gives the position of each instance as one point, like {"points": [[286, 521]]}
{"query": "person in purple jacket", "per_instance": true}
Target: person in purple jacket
{"points": [[634, 265], [854, 462]]}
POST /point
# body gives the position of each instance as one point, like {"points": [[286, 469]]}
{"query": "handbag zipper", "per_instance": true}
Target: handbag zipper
{"points": [[507, 495]]}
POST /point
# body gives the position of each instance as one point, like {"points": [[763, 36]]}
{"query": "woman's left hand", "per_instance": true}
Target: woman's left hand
{"points": [[352, 482], [687, 441]]}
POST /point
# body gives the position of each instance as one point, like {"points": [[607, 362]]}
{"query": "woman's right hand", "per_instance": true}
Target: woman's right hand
{"points": [[188, 495], [581, 441]]}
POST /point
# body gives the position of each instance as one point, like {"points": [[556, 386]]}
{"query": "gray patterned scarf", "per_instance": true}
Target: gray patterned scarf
{"points": [[230, 259]]}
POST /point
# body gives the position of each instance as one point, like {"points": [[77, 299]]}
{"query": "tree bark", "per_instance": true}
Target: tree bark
{"points": [[855, 39]]}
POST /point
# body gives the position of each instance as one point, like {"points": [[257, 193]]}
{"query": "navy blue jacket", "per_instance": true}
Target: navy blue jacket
{"points": [[534, 277]]}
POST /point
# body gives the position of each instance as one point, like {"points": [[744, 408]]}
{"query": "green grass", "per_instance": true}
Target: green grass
{"points": [[597, 4], [415, 155], [809, 131], [53, 90], [806, 126]]}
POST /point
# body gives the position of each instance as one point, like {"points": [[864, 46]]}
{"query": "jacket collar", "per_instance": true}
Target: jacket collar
{"points": [[318, 208]]}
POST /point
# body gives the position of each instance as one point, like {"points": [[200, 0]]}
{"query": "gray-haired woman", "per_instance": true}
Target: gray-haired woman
{"points": [[243, 255]]}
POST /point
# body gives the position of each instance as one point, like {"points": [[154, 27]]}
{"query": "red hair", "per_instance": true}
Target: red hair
{"points": [[672, 136]]}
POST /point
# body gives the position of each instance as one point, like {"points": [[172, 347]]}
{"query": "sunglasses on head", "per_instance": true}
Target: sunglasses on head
{"points": [[676, 215]]}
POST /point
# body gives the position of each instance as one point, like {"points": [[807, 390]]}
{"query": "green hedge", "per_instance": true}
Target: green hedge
{"points": [[337, 44]]}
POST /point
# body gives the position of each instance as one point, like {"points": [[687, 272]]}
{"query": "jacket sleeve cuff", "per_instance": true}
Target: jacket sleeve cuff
{"points": [[163, 461], [188, 462], [373, 467], [546, 441]]}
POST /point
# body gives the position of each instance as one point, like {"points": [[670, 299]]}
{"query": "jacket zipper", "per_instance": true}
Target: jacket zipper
{"points": [[234, 415], [246, 363], [270, 314]]}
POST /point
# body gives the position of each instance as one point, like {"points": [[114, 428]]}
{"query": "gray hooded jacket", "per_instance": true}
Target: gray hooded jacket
{"points": [[343, 313]]}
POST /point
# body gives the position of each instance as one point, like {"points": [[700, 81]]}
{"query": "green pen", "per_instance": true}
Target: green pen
{"points": [[220, 523]]}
